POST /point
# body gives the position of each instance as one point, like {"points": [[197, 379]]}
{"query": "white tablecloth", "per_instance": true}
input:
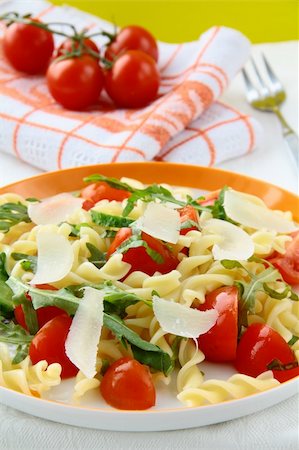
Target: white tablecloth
{"points": [[274, 428]]}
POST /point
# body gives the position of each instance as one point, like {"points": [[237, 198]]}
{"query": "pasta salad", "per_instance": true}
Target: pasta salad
{"points": [[124, 286]]}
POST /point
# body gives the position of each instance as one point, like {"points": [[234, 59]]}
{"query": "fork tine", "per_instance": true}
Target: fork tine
{"points": [[247, 80], [270, 72], [262, 83]]}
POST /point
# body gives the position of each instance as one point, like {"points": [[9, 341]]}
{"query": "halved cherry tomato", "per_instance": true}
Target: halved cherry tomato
{"points": [[285, 375], [49, 344], [28, 48], [133, 81], [95, 192], [44, 314], [76, 82], [138, 257], [69, 45], [132, 37], [288, 264], [258, 347], [187, 214], [127, 384], [219, 344]]}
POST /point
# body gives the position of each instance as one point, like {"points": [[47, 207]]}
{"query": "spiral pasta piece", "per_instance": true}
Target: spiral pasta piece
{"points": [[25, 377], [217, 391]]}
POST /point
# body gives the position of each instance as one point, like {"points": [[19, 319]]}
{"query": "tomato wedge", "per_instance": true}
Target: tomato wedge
{"points": [[259, 346], [44, 314], [95, 192], [219, 344], [188, 214], [49, 344], [127, 384], [288, 264], [139, 258]]}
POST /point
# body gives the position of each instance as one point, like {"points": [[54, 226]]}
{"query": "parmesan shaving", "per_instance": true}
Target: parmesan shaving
{"points": [[235, 243], [82, 341], [244, 210], [181, 320], [55, 257], [54, 210], [160, 222]]}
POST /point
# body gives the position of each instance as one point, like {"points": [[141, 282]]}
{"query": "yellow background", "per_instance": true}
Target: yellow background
{"points": [[183, 20]]}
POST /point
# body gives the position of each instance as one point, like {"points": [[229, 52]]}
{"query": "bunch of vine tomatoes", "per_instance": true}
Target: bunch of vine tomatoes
{"points": [[78, 71]]}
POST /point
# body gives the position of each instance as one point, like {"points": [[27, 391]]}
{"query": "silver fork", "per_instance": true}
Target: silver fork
{"points": [[268, 97]]}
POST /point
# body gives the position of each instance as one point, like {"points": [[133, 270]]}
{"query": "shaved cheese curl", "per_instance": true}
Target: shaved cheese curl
{"points": [[55, 257], [244, 210], [82, 341], [160, 222], [54, 210], [181, 320], [236, 244]]}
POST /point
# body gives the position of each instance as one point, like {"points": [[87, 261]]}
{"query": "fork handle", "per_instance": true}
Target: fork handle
{"points": [[291, 137]]}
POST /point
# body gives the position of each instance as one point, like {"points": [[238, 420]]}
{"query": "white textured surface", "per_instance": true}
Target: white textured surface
{"points": [[275, 428]]}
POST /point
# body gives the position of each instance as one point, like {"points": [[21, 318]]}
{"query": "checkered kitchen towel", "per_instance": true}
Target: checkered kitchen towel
{"points": [[185, 124]]}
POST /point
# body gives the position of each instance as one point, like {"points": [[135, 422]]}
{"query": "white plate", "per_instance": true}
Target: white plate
{"points": [[168, 414]]}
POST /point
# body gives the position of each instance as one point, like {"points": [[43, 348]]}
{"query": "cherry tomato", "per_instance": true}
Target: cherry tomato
{"points": [[28, 48], [76, 82], [133, 81], [219, 344], [70, 45], [187, 214], [44, 314], [132, 37], [127, 384], [285, 375], [49, 344], [258, 347], [288, 264], [95, 192], [138, 257]]}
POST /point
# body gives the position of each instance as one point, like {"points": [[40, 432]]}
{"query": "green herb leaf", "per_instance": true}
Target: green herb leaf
{"points": [[136, 241], [248, 290], [12, 214], [189, 224], [29, 312], [29, 263], [97, 257], [109, 221], [149, 194], [33, 199], [108, 234], [293, 340], [276, 364], [113, 182], [10, 333], [76, 228], [6, 294], [217, 209], [279, 295], [143, 351]]}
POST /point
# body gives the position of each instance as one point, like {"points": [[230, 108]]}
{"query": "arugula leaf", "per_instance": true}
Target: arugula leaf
{"points": [[12, 214], [113, 182], [115, 300], [148, 194], [33, 199], [136, 241], [97, 257], [10, 333], [293, 340], [189, 224], [108, 234], [29, 263], [110, 221], [143, 351], [6, 294], [29, 312], [280, 295], [76, 228], [247, 290], [217, 209]]}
